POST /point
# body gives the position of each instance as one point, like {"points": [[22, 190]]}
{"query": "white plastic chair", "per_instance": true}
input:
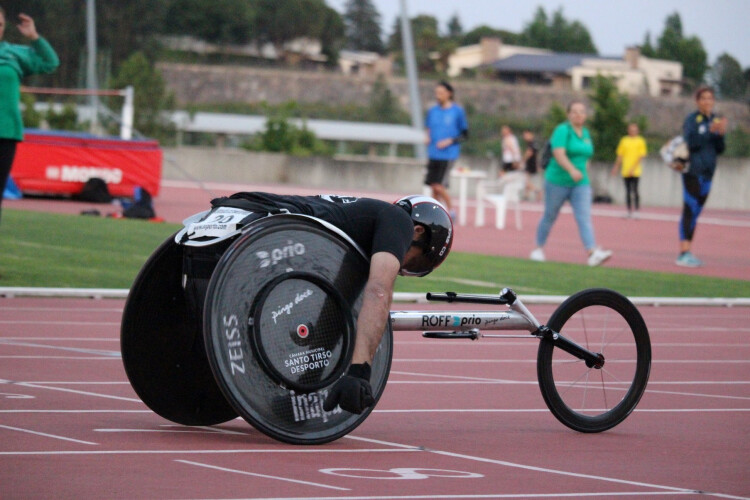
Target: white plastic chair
{"points": [[510, 188]]}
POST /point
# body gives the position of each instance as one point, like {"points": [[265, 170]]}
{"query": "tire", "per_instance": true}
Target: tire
{"points": [[590, 399], [162, 346], [288, 289]]}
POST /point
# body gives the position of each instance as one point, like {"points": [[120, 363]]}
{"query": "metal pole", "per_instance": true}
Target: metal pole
{"points": [[415, 103], [91, 82], [126, 129]]}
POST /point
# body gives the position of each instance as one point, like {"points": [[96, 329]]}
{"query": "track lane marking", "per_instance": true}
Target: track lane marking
{"points": [[265, 476], [100, 352], [86, 358], [540, 469], [67, 323], [73, 391], [197, 452], [488, 495], [53, 436]]}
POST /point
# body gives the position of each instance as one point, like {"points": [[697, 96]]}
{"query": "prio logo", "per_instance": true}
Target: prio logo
{"points": [[278, 254], [77, 173]]}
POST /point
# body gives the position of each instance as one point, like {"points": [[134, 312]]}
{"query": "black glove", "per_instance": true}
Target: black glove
{"points": [[352, 391]]}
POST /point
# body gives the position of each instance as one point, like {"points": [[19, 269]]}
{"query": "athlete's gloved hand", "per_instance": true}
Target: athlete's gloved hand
{"points": [[352, 392]]}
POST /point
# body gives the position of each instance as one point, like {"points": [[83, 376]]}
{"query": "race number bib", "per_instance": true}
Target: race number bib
{"points": [[219, 222]]}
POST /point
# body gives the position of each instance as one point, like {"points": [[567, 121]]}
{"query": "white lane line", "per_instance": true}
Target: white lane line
{"points": [[184, 430], [526, 343], [460, 377], [71, 323], [64, 309], [76, 411], [85, 393], [539, 469], [66, 382], [215, 430], [428, 410], [88, 358], [658, 361], [100, 352], [491, 495], [46, 435], [545, 410], [200, 452], [265, 476], [651, 383], [74, 339], [697, 394]]}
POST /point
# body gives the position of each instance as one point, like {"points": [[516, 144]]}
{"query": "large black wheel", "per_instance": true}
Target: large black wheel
{"points": [[279, 327], [162, 345], [594, 399]]}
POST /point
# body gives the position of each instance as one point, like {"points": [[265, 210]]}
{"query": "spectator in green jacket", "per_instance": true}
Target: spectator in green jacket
{"points": [[16, 62]]}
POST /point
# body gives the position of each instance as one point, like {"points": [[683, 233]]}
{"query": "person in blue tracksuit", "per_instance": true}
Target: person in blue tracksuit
{"points": [[703, 132]]}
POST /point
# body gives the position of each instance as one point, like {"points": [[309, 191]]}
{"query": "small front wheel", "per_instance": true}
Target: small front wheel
{"points": [[594, 399]]}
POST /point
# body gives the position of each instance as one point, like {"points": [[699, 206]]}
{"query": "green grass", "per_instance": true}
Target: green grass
{"points": [[52, 250]]}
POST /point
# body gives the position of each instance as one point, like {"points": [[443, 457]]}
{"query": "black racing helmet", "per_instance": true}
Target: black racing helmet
{"points": [[438, 236]]}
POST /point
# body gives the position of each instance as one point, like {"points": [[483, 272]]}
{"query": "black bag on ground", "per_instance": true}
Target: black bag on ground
{"points": [[95, 191], [142, 207]]}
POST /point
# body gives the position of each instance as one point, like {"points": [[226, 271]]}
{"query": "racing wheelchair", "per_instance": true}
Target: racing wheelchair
{"points": [[253, 315]]}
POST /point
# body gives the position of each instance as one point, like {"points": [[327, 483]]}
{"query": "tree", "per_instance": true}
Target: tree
{"points": [[609, 122], [217, 21], [557, 34], [363, 29], [280, 22], [455, 29], [727, 74], [555, 116], [68, 38], [332, 36], [647, 49], [474, 36], [151, 96], [384, 107], [427, 42], [673, 46]]}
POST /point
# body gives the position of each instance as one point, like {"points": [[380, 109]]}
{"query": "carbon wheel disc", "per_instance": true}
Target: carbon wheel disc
{"points": [[162, 346], [284, 295]]}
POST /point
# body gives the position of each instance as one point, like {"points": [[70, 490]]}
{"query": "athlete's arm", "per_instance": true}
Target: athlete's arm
{"points": [[376, 306]]}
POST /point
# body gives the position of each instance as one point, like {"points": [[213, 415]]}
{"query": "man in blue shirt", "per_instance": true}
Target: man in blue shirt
{"points": [[445, 128]]}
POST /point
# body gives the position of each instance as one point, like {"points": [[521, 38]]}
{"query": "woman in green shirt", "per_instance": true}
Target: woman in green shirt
{"points": [[566, 178], [16, 62]]}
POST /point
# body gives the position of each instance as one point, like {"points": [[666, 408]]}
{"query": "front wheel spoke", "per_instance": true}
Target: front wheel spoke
{"points": [[575, 382], [612, 340]]}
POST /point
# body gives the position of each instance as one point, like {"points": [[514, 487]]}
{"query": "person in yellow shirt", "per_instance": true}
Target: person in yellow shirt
{"points": [[630, 152]]}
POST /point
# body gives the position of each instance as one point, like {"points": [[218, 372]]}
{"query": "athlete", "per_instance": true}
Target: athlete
{"points": [[410, 237], [703, 132]]}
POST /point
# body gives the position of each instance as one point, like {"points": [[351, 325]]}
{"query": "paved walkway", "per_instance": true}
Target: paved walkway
{"points": [[649, 243]]}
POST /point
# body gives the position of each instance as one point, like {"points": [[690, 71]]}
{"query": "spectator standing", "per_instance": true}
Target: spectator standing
{"points": [[630, 152], [531, 163], [566, 179], [511, 150], [703, 132], [16, 62], [445, 129]]}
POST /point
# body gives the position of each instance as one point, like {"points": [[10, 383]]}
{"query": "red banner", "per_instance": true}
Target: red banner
{"points": [[53, 162]]}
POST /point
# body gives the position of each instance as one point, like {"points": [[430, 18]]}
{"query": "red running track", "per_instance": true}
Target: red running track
{"points": [[457, 420]]}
